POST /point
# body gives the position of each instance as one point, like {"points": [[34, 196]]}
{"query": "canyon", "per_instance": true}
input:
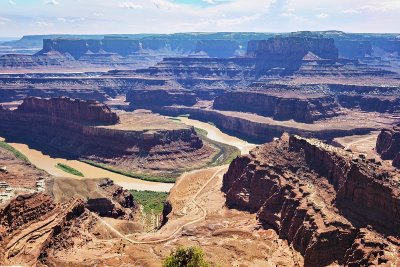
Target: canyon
{"points": [[321, 199], [275, 149], [89, 130]]}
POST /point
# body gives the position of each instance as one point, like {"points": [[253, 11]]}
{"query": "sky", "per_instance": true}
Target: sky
{"points": [[25, 17]]}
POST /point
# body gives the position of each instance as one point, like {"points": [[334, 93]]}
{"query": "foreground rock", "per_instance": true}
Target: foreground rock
{"points": [[332, 206], [388, 145], [32, 224]]}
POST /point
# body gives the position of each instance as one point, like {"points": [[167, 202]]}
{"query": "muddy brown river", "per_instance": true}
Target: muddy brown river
{"points": [[48, 163]]}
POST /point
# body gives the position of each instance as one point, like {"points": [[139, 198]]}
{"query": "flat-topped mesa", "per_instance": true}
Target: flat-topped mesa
{"points": [[328, 204], [293, 48], [88, 111], [388, 145], [130, 141], [287, 53], [160, 97], [279, 107]]}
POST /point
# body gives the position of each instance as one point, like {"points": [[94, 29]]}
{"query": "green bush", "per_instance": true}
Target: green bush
{"points": [[186, 257], [151, 201]]}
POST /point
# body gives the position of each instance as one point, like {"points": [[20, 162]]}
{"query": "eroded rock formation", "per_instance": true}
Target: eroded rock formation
{"points": [[329, 204], [116, 202], [388, 145], [70, 109], [283, 107], [32, 224]]}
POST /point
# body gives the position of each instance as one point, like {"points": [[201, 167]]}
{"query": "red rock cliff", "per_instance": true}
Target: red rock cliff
{"points": [[388, 145], [279, 107], [70, 109], [319, 199]]}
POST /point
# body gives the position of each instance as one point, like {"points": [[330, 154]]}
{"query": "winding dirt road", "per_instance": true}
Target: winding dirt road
{"points": [[219, 171]]}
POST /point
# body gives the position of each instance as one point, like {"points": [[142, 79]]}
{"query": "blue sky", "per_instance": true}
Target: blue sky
{"points": [[22, 17]]}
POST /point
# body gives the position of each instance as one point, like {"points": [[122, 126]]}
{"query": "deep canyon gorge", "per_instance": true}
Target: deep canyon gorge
{"points": [[261, 149]]}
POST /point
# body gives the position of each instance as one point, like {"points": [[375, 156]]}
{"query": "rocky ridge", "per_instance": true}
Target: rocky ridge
{"points": [[321, 199]]}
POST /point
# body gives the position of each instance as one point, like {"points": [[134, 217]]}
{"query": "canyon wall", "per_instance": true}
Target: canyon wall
{"points": [[288, 52], [70, 109], [125, 46], [388, 145], [66, 135], [370, 103], [146, 98], [323, 200], [279, 107], [256, 129]]}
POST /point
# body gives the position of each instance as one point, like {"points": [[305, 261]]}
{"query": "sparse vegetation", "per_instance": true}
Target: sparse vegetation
{"points": [[186, 257], [163, 177], [150, 200], [226, 153], [16, 153], [69, 169]]}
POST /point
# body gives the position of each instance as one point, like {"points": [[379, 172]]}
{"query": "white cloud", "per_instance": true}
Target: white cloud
{"points": [[3, 20], [70, 20], [165, 4], [51, 2], [211, 2], [44, 23], [130, 5], [322, 15], [350, 11], [12, 2]]}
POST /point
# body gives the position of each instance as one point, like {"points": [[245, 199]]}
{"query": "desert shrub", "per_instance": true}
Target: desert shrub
{"points": [[186, 257]]}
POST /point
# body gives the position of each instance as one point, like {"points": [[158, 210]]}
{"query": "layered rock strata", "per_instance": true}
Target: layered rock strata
{"points": [[321, 199], [84, 111], [263, 129], [32, 224], [133, 142], [284, 107], [287, 53], [388, 145]]}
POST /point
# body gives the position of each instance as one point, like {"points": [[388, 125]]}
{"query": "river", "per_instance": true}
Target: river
{"points": [[48, 163]]}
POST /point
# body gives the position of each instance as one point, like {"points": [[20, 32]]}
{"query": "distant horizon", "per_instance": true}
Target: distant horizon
{"points": [[42, 17], [210, 32]]}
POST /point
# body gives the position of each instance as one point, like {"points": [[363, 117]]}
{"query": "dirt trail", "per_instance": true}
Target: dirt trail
{"points": [[180, 228]]}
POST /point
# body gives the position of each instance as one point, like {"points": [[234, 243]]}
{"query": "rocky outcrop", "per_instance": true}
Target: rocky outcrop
{"points": [[282, 107], [388, 145], [70, 109], [32, 224], [117, 202], [319, 198]]}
